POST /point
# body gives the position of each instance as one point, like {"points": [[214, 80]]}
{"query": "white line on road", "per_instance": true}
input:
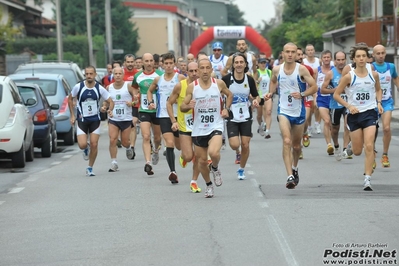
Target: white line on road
{"points": [[55, 163], [278, 233], [259, 194], [67, 156], [255, 183], [45, 171], [1, 202], [16, 190], [263, 204], [251, 172]]}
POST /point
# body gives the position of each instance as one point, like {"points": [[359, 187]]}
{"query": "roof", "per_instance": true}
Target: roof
{"points": [[345, 31], [169, 8]]}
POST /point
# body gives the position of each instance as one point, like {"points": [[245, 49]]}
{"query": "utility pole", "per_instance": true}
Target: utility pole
{"points": [[108, 30], [89, 36], [59, 30]]}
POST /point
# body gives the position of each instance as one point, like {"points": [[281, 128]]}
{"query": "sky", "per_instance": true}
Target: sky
{"points": [[256, 10]]}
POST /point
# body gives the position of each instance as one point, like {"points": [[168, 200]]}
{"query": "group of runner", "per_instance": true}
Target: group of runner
{"points": [[190, 103]]}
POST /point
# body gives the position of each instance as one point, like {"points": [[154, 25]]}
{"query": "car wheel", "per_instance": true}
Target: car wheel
{"points": [[46, 147], [54, 145], [30, 153], [69, 138], [18, 158]]}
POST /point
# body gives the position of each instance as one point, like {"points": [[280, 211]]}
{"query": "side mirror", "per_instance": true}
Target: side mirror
{"points": [[30, 102], [54, 106]]}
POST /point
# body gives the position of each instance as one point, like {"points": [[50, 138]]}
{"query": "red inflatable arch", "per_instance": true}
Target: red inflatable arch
{"points": [[230, 32]]}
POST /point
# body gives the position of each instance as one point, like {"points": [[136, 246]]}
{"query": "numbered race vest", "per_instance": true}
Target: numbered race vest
{"points": [[288, 84], [385, 79], [334, 83], [207, 110], [184, 119], [320, 80], [218, 65], [121, 111], [361, 92], [143, 81], [263, 87], [240, 105], [88, 102], [163, 93]]}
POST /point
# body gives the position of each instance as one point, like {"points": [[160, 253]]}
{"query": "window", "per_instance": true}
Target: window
{"points": [[27, 93], [49, 87]]}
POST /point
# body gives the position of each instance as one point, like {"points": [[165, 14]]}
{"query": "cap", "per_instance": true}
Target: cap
{"points": [[217, 45], [261, 60]]}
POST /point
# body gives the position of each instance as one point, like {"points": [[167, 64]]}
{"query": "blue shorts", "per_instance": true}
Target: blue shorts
{"points": [[387, 105], [323, 101], [294, 120]]}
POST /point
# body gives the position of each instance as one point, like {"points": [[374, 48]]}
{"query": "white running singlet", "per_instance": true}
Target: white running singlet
{"points": [[361, 92], [207, 110], [121, 111], [165, 89]]}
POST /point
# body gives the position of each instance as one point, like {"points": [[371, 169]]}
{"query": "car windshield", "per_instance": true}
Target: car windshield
{"points": [[49, 87], [67, 73], [27, 93]]}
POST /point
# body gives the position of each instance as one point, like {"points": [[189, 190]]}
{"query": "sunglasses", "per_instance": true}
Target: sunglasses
{"points": [[217, 50]]}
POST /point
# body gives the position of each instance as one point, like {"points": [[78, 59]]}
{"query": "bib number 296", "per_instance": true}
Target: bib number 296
{"points": [[207, 118]]}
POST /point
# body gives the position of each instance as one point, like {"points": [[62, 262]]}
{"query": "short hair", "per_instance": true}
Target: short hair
{"points": [[326, 52], [91, 67], [116, 62], [128, 55], [156, 58], [201, 53], [358, 47], [123, 71], [169, 56], [340, 51], [137, 58], [299, 48]]}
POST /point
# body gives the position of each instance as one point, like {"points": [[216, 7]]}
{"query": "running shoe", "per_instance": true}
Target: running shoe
{"points": [[345, 155], [134, 153], [337, 154], [209, 191], [194, 188], [310, 132], [349, 149], [119, 143], [89, 171], [217, 177], [374, 165], [155, 157], [296, 176], [148, 169], [114, 167], [130, 154], [267, 135], [290, 182], [238, 158], [173, 178], [223, 144], [305, 140], [367, 184], [318, 128], [183, 163], [264, 126], [330, 149], [86, 152], [301, 155], [260, 131], [241, 174], [385, 161]]}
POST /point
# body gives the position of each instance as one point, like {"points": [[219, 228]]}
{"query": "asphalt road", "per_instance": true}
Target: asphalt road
{"points": [[52, 214]]}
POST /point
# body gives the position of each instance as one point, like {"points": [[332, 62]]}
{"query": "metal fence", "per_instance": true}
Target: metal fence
{"points": [[13, 61]]}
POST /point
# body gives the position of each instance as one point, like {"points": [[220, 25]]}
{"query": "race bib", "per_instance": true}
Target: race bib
{"points": [[119, 111], [240, 111], [144, 101], [361, 98], [89, 108], [188, 118], [343, 97]]}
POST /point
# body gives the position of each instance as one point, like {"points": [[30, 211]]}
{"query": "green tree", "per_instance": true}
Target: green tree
{"points": [[7, 34], [124, 33]]}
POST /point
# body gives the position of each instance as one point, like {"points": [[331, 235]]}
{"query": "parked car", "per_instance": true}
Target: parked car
{"points": [[45, 134], [16, 125], [56, 90], [71, 71]]}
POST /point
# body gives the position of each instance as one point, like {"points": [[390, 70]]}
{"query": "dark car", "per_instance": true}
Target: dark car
{"points": [[45, 134], [56, 89]]}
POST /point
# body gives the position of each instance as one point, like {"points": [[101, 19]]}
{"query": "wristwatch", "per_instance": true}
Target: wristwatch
{"points": [[302, 94]]}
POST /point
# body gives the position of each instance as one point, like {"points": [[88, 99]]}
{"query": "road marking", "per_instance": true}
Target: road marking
{"points": [[16, 190], [45, 171], [278, 233], [1, 202], [32, 178], [247, 165], [67, 156], [55, 163], [255, 183], [259, 194], [251, 172], [263, 204]]}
